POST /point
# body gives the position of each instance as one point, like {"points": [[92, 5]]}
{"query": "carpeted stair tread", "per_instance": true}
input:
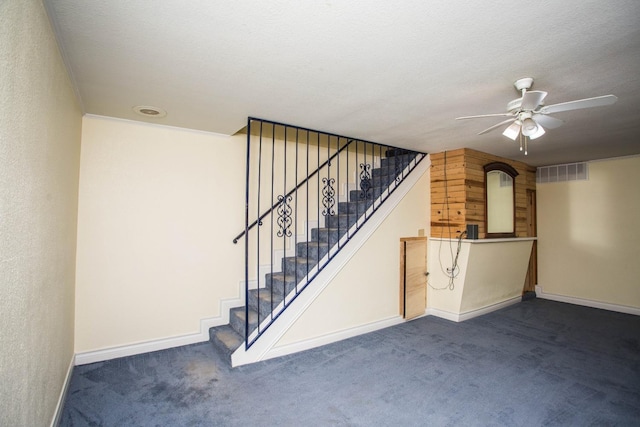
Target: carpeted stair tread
{"points": [[342, 221], [298, 266], [313, 250], [405, 159], [237, 318], [225, 339], [326, 234], [279, 279], [357, 207], [263, 301]]}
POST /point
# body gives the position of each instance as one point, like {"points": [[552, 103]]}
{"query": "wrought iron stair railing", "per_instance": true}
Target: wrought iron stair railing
{"points": [[310, 192]]}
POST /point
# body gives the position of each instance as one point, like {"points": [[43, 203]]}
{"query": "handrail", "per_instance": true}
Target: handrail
{"points": [[303, 182]]}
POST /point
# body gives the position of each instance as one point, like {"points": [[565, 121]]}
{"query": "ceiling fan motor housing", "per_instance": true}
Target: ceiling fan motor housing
{"points": [[523, 83]]}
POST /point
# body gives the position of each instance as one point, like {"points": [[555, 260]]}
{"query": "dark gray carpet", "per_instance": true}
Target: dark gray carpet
{"points": [[535, 363]]}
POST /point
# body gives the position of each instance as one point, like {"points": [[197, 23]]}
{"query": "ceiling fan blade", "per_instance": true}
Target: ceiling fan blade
{"points": [[486, 115], [513, 131], [598, 101], [531, 100], [547, 121], [497, 126], [538, 133]]}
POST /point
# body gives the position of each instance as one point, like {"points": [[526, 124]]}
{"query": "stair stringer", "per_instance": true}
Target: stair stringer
{"points": [[261, 349]]}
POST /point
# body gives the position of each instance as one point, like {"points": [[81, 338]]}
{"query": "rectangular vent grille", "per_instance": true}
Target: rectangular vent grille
{"points": [[560, 173]]}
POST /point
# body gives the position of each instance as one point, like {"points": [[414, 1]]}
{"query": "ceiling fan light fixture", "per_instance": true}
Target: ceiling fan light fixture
{"points": [[529, 127], [513, 130], [538, 133]]}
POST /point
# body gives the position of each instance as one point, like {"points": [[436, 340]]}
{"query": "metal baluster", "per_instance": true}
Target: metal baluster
{"points": [[258, 229], [284, 202], [295, 222], [338, 186], [326, 218], [246, 230], [273, 156], [308, 230], [348, 188], [380, 165], [326, 226], [358, 175]]}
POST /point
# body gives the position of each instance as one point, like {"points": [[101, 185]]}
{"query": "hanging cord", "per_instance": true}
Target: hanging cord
{"points": [[454, 271], [445, 208]]}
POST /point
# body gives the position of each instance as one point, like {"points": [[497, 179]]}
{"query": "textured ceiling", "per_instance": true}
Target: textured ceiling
{"points": [[390, 72]]}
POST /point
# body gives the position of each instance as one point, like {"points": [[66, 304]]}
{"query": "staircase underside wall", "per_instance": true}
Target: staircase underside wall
{"points": [[366, 289], [363, 295]]}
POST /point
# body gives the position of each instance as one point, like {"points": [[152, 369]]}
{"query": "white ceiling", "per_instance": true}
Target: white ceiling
{"points": [[391, 72]]}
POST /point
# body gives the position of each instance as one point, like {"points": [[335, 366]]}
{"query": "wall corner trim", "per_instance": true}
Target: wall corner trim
{"points": [[586, 302], [57, 414]]}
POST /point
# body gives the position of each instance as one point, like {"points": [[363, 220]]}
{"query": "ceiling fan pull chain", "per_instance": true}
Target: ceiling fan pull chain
{"points": [[520, 141]]}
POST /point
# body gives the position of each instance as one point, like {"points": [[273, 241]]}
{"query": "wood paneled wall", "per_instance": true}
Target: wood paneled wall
{"points": [[461, 184]]}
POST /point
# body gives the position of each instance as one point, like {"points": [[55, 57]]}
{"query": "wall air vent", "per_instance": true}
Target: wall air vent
{"points": [[560, 173]]}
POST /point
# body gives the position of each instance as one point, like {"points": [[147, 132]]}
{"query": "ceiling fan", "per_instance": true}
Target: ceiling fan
{"points": [[528, 114]]}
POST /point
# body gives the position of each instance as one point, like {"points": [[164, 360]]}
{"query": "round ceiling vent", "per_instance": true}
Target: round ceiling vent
{"points": [[148, 111]]}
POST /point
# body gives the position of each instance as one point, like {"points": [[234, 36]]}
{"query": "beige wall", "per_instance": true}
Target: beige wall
{"points": [[490, 272], [588, 234], [39, 159], [367, 289], [158, 211]]}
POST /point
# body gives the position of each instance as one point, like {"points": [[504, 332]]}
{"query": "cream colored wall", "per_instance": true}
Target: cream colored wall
{"points": [[588, 234], [367, 288], [40, 127], [490, 272], [158, 210], [495, 273]]}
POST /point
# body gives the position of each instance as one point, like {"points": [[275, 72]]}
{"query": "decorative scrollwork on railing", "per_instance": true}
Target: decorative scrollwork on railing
{"points": [[365, 181], [328, 196], [284, 216]]}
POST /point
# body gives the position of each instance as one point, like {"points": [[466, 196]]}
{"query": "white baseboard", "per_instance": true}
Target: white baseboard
{"points": [[57, 414], [163, 343], [332, 337], [447, 315], [380, 324], [461, 317], [586, 302]]}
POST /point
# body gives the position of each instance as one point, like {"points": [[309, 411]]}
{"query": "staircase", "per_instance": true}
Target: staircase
{"points": [[295, 272]]}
